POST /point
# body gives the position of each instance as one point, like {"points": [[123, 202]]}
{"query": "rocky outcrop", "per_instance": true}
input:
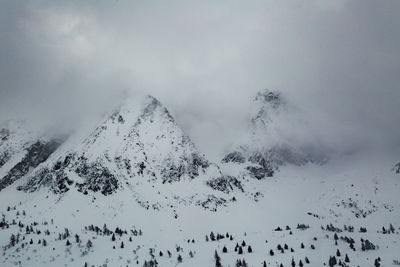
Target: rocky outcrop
{"points": [[36, 154], [226, 184]]}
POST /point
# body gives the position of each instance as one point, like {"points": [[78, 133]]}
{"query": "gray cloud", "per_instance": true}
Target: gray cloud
{"points": [[337, 61]]}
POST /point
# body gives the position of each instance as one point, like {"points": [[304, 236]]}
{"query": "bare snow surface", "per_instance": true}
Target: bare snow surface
{"points": [[136, 191]]}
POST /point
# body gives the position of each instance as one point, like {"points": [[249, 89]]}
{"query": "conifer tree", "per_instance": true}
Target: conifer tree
{"points": [[12, 240], [89, 244], [332, 261], [346, 259], [217, 260], [212, 236]]}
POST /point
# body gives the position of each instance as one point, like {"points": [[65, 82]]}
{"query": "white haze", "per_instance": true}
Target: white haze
{"points": [[338, 62]]}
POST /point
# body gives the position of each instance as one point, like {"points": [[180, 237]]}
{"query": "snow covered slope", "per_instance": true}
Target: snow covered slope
{"points": [[268, 147], [21, 150], [304, 209]]}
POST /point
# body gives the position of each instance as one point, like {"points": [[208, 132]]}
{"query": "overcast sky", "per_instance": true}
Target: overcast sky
{"points": [[337, 61]]}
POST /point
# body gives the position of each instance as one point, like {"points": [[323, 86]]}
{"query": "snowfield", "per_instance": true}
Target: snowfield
{"points": [[363, 193]]}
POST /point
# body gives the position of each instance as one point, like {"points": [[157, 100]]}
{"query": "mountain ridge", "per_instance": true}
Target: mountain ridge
{"points": [[138, 145]]}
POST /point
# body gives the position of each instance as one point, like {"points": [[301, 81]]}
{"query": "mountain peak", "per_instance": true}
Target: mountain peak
{"points": [[268, 105], [139, 145], [271, 98], [268, 147], [152, 104]]}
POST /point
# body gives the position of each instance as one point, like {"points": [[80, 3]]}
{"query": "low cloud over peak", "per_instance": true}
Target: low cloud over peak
{"points": [[206, 61]]}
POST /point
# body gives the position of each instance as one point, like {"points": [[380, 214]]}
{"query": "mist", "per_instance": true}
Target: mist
{"points": [[337, 63]]}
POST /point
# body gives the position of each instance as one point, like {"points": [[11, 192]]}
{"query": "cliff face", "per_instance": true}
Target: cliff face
{"points": [[21, 151]]}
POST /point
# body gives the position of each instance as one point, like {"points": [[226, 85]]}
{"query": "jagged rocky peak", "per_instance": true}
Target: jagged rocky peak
{"points": [[147, 106], [271, 98], [267, 149], [267, 108], [152, 104], [139, 142]]}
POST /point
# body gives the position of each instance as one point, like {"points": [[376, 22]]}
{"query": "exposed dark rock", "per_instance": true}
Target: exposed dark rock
{"points": [[212, 202], [36, 154], [274, 99], [235, 157], [259, 172], [4, 156], [95, 177], [225, 184], [189, 166]]}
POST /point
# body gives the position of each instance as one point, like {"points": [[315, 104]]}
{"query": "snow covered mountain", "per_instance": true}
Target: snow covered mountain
{"points": [[267, 148], [135, 191], [140, 148], [21, 150]]}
